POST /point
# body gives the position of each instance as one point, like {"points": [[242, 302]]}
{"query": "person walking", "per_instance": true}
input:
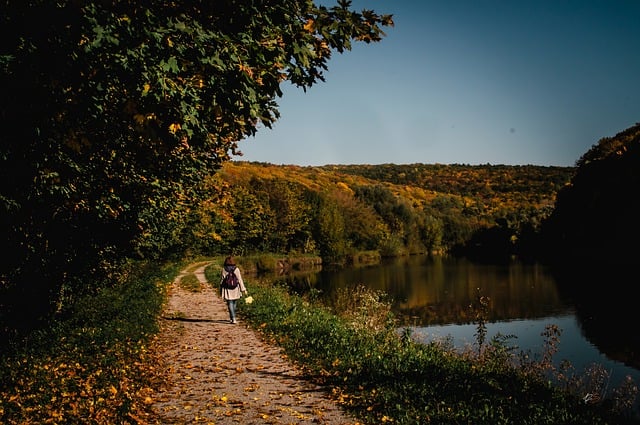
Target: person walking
{"points": [[230, 294]]}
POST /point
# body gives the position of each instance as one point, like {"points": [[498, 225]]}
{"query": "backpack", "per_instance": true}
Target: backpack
{"points": [[230, 281]]}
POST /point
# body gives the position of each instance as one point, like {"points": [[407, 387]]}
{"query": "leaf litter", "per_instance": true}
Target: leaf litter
{"points": [[214, 372]]}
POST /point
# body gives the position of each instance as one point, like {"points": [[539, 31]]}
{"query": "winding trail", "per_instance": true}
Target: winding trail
{"points": [[219, 373]]}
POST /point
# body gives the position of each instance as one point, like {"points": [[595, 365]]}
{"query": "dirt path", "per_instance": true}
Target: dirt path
{"points": [[219, 373]]}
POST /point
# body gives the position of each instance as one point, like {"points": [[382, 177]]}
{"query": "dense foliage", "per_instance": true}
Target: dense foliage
{"points": [[595, 218], [115, 112], [339, 211]]}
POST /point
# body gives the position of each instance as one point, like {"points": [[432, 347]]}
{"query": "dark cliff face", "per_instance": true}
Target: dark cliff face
{"points": [[595, 219]]}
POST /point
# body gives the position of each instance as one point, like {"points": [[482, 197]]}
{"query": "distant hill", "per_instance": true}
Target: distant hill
{"points": [[531, 184], [466, 180], [422, 206]]}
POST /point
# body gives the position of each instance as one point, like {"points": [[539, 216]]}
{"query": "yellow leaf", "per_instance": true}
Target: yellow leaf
{"points": [[308, 26]]}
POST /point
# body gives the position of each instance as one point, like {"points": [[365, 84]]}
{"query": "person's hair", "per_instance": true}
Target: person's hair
{"points": [[229, 261]]}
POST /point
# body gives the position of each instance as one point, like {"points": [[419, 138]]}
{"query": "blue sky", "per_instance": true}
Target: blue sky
{"points": [[468, 82]]}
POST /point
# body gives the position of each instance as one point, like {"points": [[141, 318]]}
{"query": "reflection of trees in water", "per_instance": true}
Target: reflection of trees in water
{"points": [[439, 292], [612, 334], [443, 294], [440, 314], [606, 309]]}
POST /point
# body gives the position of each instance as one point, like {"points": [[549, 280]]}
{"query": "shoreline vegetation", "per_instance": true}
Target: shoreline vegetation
{"points": [[93, 365]]}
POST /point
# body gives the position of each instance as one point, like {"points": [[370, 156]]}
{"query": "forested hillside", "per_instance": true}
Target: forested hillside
{"points": [[340, 210], [596, 217], [489, 180]]}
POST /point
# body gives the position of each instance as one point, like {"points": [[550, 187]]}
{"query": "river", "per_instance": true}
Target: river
{"points": [[433, 296]]}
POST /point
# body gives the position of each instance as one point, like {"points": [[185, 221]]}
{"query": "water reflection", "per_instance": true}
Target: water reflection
{"points": [[431, 293], [607, 316], [438, 291]]}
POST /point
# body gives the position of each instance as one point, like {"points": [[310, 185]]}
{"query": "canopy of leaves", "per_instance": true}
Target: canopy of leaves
{"points": [[114, 113]]}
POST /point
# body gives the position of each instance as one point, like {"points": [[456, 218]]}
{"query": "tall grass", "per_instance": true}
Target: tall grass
{"points": [[383, 376]]}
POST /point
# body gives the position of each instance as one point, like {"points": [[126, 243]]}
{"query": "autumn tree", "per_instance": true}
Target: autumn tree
{"points": [[330, 231], [113, 113], [289, 218], [364, 228], [253, 222]]}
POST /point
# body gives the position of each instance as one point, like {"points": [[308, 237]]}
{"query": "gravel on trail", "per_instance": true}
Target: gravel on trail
{"points": [[222, 373]]}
